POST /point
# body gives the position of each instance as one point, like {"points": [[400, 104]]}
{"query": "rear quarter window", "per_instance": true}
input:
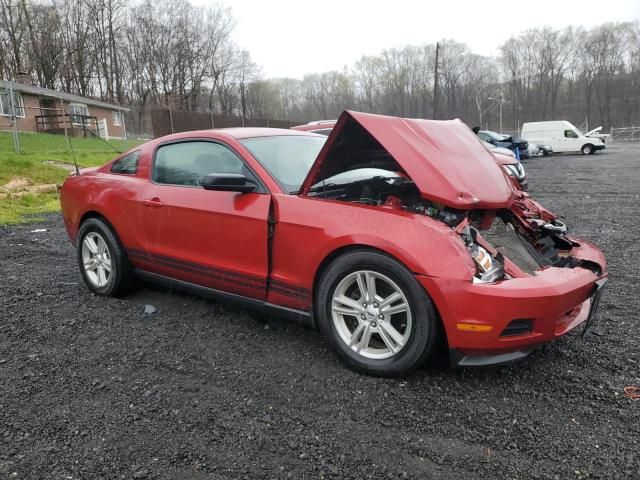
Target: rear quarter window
{"points": [[127, 164]]}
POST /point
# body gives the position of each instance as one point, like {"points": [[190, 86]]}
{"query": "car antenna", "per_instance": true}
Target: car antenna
{"points": [[73, 154]]}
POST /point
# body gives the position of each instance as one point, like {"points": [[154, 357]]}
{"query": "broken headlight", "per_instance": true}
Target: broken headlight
{"points": [[488, 268]]}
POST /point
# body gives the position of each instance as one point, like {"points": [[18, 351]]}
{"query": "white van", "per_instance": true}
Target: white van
{"points": [[560, 135]]}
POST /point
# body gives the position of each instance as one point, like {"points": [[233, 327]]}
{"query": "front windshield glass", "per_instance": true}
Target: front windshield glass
{"points": [[287, 158], [494, 135]]}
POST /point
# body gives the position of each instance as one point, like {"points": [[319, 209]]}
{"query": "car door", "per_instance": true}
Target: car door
{"points": [[217, 239], [571, 141]]}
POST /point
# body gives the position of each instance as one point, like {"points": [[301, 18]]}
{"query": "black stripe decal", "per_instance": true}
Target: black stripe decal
{"points": [[225, 276], [244, 276], [288, 286], [205, 272], [290, 293]]}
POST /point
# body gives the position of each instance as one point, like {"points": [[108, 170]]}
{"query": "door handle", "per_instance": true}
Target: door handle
{"points": [[152, 202]]}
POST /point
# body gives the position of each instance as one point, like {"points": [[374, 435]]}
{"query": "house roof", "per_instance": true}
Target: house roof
{"points": [[67, 97]]}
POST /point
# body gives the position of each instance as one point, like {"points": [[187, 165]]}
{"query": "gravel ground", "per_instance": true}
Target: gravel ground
{"points": [[92, 387]]}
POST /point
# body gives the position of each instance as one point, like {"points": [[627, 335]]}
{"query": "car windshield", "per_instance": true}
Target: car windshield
{"points": [[494, 135], [287, 158]]}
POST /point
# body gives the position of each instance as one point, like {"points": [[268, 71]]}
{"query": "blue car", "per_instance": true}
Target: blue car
{"points": [[519, 146]]}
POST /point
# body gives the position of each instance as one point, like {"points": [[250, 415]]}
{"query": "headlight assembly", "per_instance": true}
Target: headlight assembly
{"points": [[488, 268]]}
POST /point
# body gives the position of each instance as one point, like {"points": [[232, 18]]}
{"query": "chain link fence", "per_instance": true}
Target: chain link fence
{"points": [[11, 110], [165, 121], [625, 134], [51, 126]]}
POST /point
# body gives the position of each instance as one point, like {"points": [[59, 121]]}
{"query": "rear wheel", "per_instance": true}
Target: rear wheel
{"points": [[587, 149], [376, 315], [103, 262]]}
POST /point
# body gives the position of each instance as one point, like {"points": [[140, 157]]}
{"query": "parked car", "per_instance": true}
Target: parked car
{"points": [[562, 136], [322, 127], [384, 236], [596, 133], [518, 145], [536, 150]]}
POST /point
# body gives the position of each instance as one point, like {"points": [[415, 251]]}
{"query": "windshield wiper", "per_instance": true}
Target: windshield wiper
{"points": [[315, 189], [324, 186]]}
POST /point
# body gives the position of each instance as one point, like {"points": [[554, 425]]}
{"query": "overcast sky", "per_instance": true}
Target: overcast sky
{"points": [[295, 37]]}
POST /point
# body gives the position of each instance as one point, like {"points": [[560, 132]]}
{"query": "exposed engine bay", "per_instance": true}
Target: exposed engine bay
{"points": [[392, 190], [503, 243]]}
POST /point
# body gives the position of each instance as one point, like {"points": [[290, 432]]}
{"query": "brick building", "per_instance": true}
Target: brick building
{"points": [[44, 110]]}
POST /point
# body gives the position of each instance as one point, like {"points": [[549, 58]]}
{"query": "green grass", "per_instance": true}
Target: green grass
{"points": [[27, 209], [37, 148]]}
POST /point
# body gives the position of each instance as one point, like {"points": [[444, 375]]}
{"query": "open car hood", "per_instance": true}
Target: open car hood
{"points": [[446, 161], [594, 131]]}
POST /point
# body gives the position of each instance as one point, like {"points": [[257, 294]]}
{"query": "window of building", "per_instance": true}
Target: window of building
{"points": [[78, 111], [187, 163], [127, 164], [117, 119], [5, 103]]}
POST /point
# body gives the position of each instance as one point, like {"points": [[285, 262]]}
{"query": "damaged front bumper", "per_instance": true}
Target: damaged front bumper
{"points": [[488, 324]]}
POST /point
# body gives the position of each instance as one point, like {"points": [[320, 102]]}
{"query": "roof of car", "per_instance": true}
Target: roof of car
{"points": [[318, 125], [250, 132]]}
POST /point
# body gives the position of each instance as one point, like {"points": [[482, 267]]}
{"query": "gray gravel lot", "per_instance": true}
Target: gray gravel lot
{"points": [[92, 388]]}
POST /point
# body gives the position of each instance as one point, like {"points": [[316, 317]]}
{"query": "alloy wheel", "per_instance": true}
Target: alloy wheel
{"points": [[371, 314], [96, 259]]}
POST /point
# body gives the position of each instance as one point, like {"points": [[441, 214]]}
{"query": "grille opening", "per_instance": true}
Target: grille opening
{"points": [[503, 237], [519, 326]]}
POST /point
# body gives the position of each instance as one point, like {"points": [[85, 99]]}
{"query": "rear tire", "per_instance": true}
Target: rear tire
{"points": [[587, 149], [388, 330], [103, 262]]}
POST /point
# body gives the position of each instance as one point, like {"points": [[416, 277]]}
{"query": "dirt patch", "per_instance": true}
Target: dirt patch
{"points": [[19, 186], [17, 183]]}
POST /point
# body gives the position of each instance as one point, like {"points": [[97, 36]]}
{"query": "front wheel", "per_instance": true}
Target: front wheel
{"points": [[376, 315], [587, 149]]}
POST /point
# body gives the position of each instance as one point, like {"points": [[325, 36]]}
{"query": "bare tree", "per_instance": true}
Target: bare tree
{"points": [[183, 56]]}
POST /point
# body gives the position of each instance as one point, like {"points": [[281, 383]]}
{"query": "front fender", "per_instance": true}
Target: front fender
{"points": [[309, 230]]}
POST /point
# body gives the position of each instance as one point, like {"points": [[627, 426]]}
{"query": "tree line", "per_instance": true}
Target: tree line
{"points": [[179, 55]]}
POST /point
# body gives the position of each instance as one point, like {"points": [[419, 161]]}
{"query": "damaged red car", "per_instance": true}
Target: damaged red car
{"points": [[383, 235]]}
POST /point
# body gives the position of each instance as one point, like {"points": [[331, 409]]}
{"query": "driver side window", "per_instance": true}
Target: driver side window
{"points": [[570, 134], [186, 163]]}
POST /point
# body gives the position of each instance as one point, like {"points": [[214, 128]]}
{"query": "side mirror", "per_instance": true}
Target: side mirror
{"points": [[228, 182]]}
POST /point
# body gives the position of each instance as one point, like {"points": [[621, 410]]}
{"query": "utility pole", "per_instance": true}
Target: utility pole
{"points": [[435, 83], [500, 114], [500, 102]]}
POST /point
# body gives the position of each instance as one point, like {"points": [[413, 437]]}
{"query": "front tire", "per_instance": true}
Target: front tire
{"points": [[587, 149], [104, 265], [375, 314]]}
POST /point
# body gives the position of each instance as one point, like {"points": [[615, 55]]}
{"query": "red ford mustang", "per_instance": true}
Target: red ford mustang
{"points": [[390, 236]]}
